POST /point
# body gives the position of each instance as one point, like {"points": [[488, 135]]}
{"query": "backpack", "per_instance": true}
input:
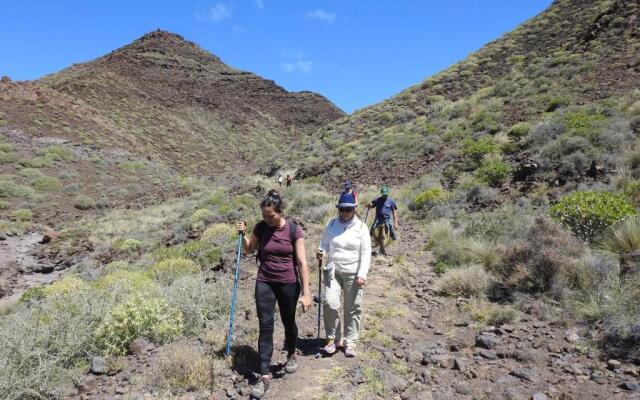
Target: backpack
{"points": [[292, 238]]}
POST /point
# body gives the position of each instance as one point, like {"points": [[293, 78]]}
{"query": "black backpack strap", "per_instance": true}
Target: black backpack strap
{"points": [[259, 230], [292, 237]]}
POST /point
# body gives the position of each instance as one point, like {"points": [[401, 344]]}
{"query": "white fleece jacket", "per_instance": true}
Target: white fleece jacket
{"points": [[347, 246]]}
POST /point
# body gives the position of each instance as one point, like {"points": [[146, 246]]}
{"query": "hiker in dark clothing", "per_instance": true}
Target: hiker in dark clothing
{"points": [[289, 179], [385, 210], [283, 277]]}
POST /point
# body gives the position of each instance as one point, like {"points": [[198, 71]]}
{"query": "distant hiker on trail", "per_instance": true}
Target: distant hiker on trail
{"points": [[348, 188], [280, 179], [282, 274], [289, 179], [347, 245], [385, 210]]}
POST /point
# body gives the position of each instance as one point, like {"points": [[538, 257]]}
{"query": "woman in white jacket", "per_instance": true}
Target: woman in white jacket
{"points": [[347, 246]]}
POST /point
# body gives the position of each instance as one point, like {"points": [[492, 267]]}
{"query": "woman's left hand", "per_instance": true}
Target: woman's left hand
{"points": [[305, 301], [360, 281]]}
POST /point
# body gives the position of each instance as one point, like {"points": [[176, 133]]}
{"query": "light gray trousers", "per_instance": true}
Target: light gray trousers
{"points": [[335, 285]]}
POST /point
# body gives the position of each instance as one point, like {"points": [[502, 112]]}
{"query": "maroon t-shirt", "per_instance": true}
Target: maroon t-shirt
{"points": [[276, 253]]}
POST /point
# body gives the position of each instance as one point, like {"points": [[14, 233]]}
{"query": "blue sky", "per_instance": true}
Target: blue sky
{"points": [[354, 52]]}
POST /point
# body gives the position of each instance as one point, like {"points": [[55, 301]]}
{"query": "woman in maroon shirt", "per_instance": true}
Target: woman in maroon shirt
{"points": [[282, 274]]}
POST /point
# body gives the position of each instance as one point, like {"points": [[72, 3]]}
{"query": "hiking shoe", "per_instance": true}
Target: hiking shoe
{"points": [[349, 352], [260, 388], [330, 348], [291, 365]]}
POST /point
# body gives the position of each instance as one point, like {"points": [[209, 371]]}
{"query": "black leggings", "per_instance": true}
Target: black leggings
{"points": [[287, 296]]}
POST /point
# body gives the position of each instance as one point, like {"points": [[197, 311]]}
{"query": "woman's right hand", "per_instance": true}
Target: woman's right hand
{"points": [[241, 226]]}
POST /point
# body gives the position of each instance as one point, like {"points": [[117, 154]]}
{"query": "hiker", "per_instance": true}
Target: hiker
{"points": [[347, 245], [280, 180], [348, 188], [385, 210], [283, 277], [289, 179]]}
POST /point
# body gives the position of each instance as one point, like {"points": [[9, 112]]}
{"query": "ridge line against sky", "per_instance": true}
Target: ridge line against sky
{"points": [[353, 52]]}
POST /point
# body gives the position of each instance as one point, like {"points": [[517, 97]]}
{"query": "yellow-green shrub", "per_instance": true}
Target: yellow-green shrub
{"points": [[46, 183], [167, 271], [494, 172], [139, 316], [22, 214], [123, 283], [430, 196]]}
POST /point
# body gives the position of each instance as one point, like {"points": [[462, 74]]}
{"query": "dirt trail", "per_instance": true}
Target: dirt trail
{"points": [[418, 345]]}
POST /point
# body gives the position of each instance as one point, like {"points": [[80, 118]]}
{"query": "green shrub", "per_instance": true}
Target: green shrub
{"points": [[583, 124], [127, 245], [46, 184], [6, 147], [167, 271], [200, 217], [59, 153], [8, 157], [476, 149], [22, 214], [139, 316], [518, 131], [387, 117], [84, 202], [4, 205], [124, 283], [430, 196], [64, 287], [8, 188], [31, 173], [494, 172], [38, 162], [588, 214]]}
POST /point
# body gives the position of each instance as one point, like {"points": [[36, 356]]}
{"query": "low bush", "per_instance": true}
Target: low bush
{"points": [[31, 173], [204, 306], [430, 197], [470, 280], [83, 202], [477, 149], [181, 365], [532, 263], [518, 131], [46, 184], [22, 214], [139, 316], [167, 271], [588, 214], [494, 172]]}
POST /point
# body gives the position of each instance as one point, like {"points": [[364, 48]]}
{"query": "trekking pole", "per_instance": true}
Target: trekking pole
{"points": [[319, 303], [366, 215], [232, 312]]}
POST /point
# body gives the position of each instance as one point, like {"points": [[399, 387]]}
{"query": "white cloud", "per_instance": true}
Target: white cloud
{"points": [[304, 66], [215, 13], [322, 15], [260, 4]]}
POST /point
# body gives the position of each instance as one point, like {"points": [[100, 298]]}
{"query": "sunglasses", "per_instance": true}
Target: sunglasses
{"points": [[346, 209]]}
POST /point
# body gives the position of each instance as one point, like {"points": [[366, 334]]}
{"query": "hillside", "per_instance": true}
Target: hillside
{"points": [[576, 58], [138, 125]]}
